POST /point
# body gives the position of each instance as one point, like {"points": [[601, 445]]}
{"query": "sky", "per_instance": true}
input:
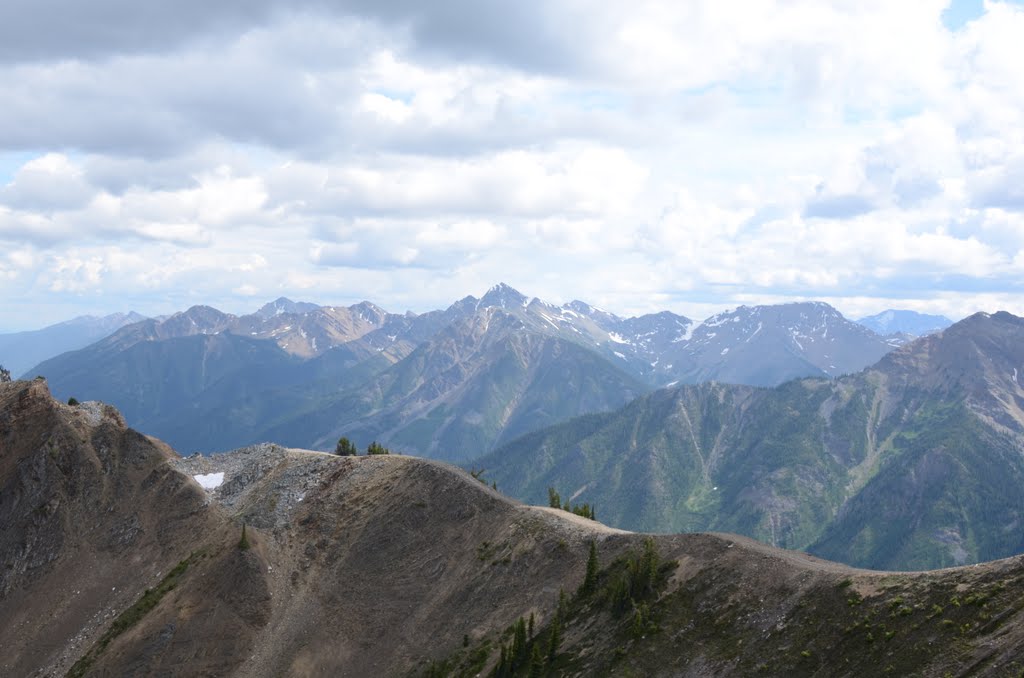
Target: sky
{"points": [[640, 155]]}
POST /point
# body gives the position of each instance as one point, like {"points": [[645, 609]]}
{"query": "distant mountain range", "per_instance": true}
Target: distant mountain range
{"points": [[905, 322], [913, 463], [450, 384], [21, 350]]}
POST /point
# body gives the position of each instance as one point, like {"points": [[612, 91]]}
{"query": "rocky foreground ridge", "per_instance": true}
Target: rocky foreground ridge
{"points": [[122, 558]]}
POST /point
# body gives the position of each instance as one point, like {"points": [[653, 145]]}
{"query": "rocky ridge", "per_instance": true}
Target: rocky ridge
{"points": [[392, 565]]}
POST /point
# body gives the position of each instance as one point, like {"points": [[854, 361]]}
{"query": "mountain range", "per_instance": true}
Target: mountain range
{"points": [[123, 558], [905, 322], [913, 463], [19, 351], [450, 384]]}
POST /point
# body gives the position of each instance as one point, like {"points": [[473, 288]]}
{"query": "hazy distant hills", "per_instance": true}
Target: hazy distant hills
{"points": [[451, 384], [905, 322], [767, 345], [915, 462], [122, 558], [21, 350]]}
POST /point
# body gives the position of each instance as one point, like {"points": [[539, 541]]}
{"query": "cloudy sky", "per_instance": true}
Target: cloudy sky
{"points": [[637, 154]]}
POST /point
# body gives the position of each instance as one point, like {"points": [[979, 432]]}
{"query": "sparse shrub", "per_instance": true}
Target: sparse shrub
{"points": [[73, 401], [5, 374]]}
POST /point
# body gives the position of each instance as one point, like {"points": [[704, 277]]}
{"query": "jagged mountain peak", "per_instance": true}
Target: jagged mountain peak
{"points": [[504, 296]]}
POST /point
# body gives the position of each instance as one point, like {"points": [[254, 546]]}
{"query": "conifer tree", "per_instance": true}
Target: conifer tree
{"points": [[5, 374], [345, 448], [377, 448], [518, 643], [555, 638], [589, 584], [536, 663]]}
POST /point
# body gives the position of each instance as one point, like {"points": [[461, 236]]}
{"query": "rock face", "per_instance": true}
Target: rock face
{"points": [[119, 562], [913, 463]]}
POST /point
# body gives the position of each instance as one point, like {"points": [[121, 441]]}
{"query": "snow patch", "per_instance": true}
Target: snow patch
{"points": [[725, 350], [209, 481], [618, 339], [619, 354]]}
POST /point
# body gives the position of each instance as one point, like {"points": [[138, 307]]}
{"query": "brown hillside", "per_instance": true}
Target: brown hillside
{"points": [[116, 562]]}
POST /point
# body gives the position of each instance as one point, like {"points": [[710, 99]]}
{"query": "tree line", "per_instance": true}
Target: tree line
{"points": [[346, 448]]}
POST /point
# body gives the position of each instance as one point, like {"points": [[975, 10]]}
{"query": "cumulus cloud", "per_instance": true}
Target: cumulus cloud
{"points": [[640, 155]]}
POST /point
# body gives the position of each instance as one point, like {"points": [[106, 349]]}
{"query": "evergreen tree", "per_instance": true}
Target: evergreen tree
{"points": [[555, 638], [536, 663], [589, 584], [377, 448], [519, 645], [243, 543], [554, 501], [529, 628], [5, 374], [345, 448], [502, 669]]}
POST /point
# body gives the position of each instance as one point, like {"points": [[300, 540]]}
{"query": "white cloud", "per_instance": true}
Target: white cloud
{"points": [[640, 155]]}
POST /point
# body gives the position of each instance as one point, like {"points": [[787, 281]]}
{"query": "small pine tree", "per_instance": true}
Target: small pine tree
{"points": [[554, 501], [377, 448], [345, 448], [536, 663], [589, 584], [243, 543], [5, 374], [519, 644], [73, 401], [502, 668], [529, 628], [555, 637]]}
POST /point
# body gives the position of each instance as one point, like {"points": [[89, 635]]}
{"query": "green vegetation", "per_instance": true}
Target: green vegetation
{"points": [[590, 579], [847, 469], [73, 401], [345, 448], [127, 619], [243, 543], [555, 501], [376, 448]]}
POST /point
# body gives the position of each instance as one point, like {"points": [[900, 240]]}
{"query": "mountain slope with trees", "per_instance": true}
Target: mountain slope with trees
{"points": [[451, 383], [916, 462]]}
